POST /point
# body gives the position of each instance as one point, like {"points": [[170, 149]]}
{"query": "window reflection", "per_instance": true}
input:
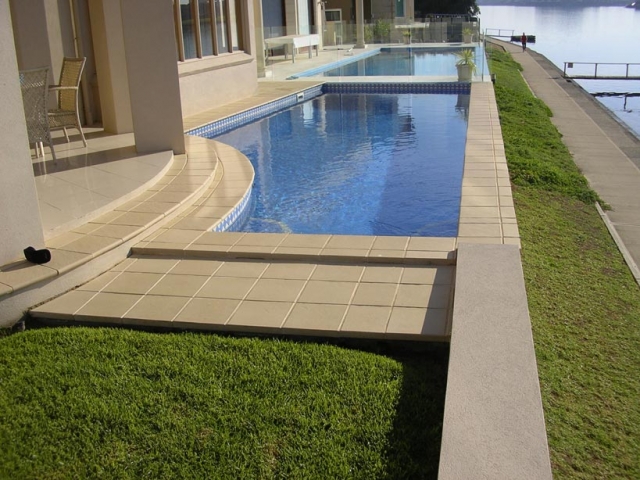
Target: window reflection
{"points": [[188, 29], [221, 27], [206, 27]]}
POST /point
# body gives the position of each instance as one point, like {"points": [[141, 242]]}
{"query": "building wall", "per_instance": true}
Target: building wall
{"points": [[214, 81]]}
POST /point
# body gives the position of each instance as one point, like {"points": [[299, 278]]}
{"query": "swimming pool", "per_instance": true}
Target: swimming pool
{"points": [[360, 164], [397, 61]]}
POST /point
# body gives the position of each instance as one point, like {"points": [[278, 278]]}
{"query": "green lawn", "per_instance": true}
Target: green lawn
{"points": [[583, 301], [109, 403]]}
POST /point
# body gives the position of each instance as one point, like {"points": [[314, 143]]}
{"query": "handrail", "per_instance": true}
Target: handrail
{"points": [[596, 64], [499, 30]]}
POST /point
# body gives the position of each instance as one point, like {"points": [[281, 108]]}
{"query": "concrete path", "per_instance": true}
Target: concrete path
{"points": [[606, 152]]}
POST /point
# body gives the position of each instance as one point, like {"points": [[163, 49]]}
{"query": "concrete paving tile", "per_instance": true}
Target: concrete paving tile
{"points": [[170, 197], [479, 182], [380, 294], [100, 282], [220, 238], [178, 285], [432, 296], [484, 201], [152, 265], [155, 310], [366, 319], [479, 191], [261, 239], [418, 321], [276, 290], [412, 257], [200, 312], [507, 212], [315, 317], [382, 255], [428, 275], [199, 224], [482, 240], [345, 273], [135, 219], [344, 242], [251, 251], [479, 212], [154, 207], [211, 212], [376, 274], [177, 236], [123, 232], [227, 287], [340, 253], [63, 261], [242, 269], [92, 245], [269, 315], [206, 251], [196, 267], [294, 271], [24, 274], [61, 240], [510, 230], [123, 265], [158, 248], [432, 244], [133, 283], [390, 243], [327, 292], [512, 241], [297, 252], [106, 307], [479, 230], [305, 241], [64, 306], [480, 220]]}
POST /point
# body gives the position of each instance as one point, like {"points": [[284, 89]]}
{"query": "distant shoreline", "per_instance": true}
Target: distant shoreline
{"points": [[554, 3]]}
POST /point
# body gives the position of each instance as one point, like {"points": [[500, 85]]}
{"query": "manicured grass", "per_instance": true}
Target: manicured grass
{"points": [[109, 403], [583, 301]]}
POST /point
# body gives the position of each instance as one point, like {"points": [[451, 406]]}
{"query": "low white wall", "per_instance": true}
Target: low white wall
{"points": [[206, 89], [493, 423]]}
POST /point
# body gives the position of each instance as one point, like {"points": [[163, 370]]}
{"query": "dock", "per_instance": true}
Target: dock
{"points": [[612, 71]]}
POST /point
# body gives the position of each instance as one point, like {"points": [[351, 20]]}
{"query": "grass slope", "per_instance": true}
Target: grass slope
{"points": [[108, 403], [583, 301]]}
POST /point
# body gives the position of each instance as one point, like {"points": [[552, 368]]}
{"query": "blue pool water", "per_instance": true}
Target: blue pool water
{"points": [[363, 164], [440, 61]]}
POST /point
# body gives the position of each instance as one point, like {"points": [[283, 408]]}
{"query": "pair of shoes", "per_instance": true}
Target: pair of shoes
{"points": [[37, 256]]}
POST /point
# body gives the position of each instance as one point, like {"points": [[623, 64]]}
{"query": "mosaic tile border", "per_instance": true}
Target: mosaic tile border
{"points": [[421, 87], [236, 217], [234, 121]]}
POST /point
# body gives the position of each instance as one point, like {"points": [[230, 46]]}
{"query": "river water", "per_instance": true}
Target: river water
{"points": [[581, 34]]}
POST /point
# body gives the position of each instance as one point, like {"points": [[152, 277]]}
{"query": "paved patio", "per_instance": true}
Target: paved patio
{"points": [[403, 285]]}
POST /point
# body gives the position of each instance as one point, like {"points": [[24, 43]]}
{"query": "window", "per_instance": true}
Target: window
{"points": [[207, 27]]}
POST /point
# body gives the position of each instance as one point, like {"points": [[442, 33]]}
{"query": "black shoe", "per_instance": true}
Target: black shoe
{"points": [[37, 256]]}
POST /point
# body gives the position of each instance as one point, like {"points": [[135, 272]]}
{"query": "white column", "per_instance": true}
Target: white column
{"points": [[111, 65], [359, 24], [152, 66], [20, 223]]}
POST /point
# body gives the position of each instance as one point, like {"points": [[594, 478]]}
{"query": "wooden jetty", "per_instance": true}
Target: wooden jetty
{"points": [[629, 71]]}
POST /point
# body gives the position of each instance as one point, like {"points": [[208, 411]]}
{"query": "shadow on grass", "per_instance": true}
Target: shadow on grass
{"points": [[414, 441]]}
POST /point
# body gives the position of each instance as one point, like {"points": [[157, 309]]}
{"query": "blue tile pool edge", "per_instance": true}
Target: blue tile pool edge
{"points": [[238, 214]]}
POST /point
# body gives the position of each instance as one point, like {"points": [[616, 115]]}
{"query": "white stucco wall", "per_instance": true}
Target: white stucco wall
{"points": [[20, 224]]}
